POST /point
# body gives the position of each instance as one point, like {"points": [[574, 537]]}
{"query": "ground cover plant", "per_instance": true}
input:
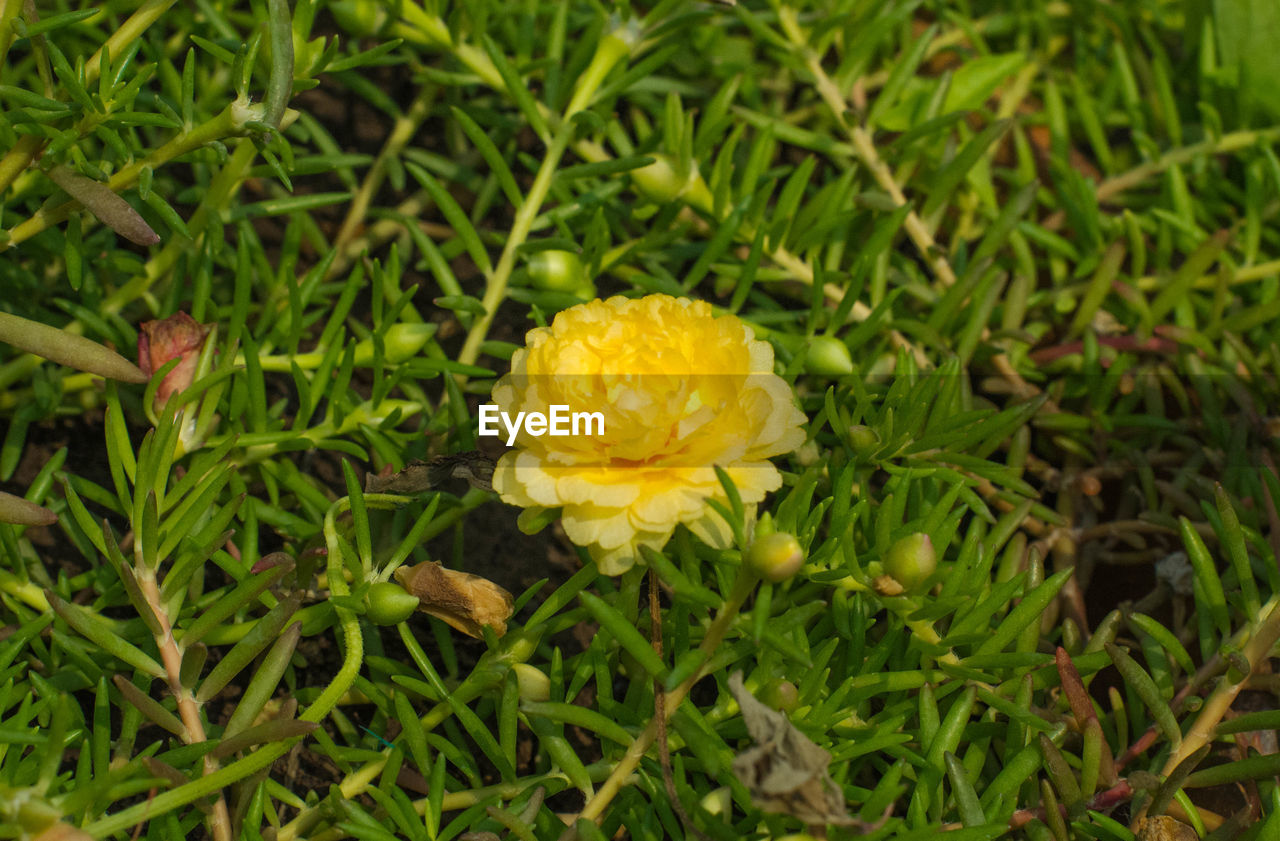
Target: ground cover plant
{"points": [[981, 536]]}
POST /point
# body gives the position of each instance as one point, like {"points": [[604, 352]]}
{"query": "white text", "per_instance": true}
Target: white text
{"points": [[560, 422]]}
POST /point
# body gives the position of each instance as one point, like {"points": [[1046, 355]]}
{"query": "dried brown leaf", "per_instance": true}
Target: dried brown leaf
{"points": [[422, 476], [786, 772], [1165, 828]]}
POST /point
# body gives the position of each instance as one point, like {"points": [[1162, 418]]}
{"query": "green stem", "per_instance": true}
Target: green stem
{"points": [[1265, 634], [230, 121], [220, 191], [24, 591], [595, 807], [219, 819], [865, 147], [401, 133], [496, 290], [18, 159], [1232, 142], [321, 707], [8, 11], [613, 48]]}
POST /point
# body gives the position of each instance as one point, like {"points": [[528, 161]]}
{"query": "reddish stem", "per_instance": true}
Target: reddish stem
{"points": [[1109, 799], [1155, 344]]}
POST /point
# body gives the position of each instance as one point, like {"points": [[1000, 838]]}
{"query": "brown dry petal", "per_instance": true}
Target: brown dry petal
{"points": [[1164, 828], [177, 337], [786, 773], [465, 601], [887, 585]]}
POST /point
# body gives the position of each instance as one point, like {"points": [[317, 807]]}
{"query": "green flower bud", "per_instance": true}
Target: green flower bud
{"points": [[863, 440], [775, 557], [659, 180], [782, 696], [764, 526], [911, 560], [534, 684], [399, 344], [828, 357], [558, 271], [359, 17], [387, 603], [662, 182], [718, 802]]}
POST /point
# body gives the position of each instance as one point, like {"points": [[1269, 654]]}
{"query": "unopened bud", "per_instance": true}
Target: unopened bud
{"points": [[828, 356], [863, 440], [400, 343], [662, 182], [178, 337], [911, 560], [359, 17], [534, 684], [718, 802], [775, 557], [558, 271], [782, 696], [387, 603]]}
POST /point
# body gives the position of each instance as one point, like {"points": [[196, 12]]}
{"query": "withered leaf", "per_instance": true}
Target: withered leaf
{"points": [[786, 773], [465, 601], [1165, 828], [422, 476], [887, 585]]}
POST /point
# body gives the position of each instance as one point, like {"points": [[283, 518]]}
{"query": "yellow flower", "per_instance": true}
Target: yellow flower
{"points": [[681, 392]]}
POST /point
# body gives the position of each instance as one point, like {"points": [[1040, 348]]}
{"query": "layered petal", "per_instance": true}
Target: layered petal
{"points": [[682, 392]]}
